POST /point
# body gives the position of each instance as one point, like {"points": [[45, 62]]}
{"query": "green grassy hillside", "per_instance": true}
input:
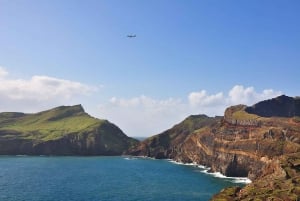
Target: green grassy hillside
{"points": [[70, 123], [49, 125]]}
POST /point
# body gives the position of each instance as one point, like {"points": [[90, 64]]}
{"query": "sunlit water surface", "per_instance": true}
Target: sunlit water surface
{"points": [[25, 178]]}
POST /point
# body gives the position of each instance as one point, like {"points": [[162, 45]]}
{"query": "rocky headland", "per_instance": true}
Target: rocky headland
{"points": [[261, 142], [65, 130]]}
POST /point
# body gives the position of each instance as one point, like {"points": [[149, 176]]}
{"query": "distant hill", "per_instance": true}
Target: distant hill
{"points": [[65, 130], [281, 106]]}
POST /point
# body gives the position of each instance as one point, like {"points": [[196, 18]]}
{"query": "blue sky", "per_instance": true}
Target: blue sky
{"points": [[189, 57]]}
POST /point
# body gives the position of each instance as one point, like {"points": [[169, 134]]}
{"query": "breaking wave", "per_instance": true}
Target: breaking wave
{"points": [[205, 170]]}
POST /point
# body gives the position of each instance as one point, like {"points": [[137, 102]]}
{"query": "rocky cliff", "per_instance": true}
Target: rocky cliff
{"points": [[246, 142], [279, 181], [65, 130], [167, 144]]}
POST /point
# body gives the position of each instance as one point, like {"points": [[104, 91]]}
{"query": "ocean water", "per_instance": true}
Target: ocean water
{"points": [[26, 178]]}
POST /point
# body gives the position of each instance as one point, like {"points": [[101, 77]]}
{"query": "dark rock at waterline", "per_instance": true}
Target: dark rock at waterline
{"points": [[257, 142]]}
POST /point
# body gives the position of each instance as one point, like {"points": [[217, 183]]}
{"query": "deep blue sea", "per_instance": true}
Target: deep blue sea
{"points": [[26, 178]]}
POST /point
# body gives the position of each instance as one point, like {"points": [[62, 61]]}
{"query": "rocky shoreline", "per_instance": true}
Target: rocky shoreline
{"points": [[260, 142], [240, 144]]}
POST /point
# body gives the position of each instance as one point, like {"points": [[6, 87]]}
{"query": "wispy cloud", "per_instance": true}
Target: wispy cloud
{"points": [[3, 72], [201, 98], [38, 90], [140, 116], [147, 116], [241, 95]]}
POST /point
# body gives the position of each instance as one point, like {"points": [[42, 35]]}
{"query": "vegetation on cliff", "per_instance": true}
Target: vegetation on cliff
{"points": [[276, 131], [166, 144], [261, 142], [256, 142], [280, 180], [65, 130]]}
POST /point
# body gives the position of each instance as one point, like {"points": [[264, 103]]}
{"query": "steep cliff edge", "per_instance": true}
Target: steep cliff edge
{"points": [[275, 128], [167, 144], [241, 144], [65, 130], [279, 181]]}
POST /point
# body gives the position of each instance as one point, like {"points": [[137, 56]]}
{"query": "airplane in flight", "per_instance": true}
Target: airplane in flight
{"points": [[131, 36]]}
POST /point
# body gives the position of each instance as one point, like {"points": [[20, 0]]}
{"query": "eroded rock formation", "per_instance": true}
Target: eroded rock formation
{"points": [[241, 144]]}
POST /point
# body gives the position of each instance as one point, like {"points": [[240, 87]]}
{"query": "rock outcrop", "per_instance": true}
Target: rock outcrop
{"points": [[65, 130], [241, 144], [279, 180], [168, 143]]}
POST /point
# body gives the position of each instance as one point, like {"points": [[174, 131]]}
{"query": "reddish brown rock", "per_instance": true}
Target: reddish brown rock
{"points": [[241, 144]]}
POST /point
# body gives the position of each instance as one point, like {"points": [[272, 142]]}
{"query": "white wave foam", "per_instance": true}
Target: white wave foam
{"points": [[244, 180], [181, 163], [205, 170], [175, 162], [130, 158], [217, 174], [202, 166]]}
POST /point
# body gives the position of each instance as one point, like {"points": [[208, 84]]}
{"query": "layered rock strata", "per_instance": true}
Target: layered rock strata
{"points": [[240, 144]]}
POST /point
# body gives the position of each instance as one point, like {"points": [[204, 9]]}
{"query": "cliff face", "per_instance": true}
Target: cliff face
{"points": [[275, 127], [279, 180], [241, 144], [65, 130], [168, 143]]}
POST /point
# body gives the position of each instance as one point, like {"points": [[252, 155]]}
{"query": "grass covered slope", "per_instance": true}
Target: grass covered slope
{"points": [[167, 143], [65, 130], [48, 125]]}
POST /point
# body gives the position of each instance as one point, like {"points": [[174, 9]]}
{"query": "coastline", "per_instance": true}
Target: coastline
{"points": [[205, 170], [202, 169]]}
